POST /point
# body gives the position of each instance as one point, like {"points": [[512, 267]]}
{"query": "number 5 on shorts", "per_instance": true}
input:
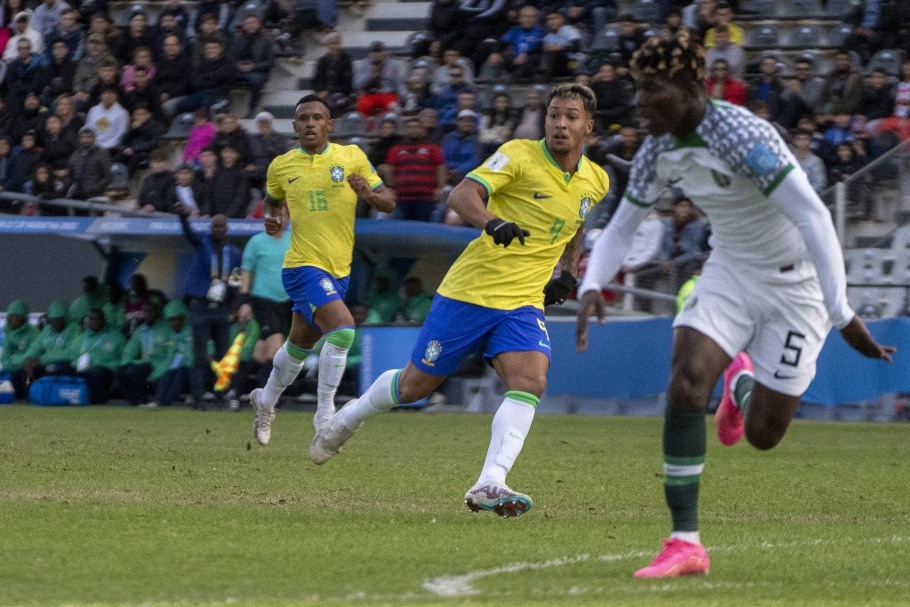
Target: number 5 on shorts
{"points": [[797, 350]]}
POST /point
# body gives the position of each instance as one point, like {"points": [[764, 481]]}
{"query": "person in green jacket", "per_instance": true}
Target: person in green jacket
{"points": [[93, 296], [178, 359], [18, 337], [49, 354], [416, 304], [145, 356], [96, 355]]}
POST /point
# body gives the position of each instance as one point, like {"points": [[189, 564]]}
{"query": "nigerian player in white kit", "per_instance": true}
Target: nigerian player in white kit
{"points": [[772, 287]]}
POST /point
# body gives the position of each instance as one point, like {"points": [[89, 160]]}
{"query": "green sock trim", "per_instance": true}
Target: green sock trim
{"points": [[393, 389], [742, 392], [296, 351], [523, 397], [684, 445], [341, 338]]}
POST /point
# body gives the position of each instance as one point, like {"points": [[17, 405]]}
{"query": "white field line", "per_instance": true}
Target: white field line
{"points": [[462, 585]]}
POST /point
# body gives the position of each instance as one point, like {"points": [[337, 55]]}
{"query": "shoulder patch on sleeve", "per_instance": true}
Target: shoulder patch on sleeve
{"points": [[761, 160], [497, 162]]}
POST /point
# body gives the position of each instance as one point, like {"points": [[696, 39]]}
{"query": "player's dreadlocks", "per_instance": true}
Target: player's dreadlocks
{"points": [[680, 60]]}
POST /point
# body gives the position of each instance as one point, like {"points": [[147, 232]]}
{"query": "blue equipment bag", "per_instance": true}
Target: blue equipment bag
{"points": [[54, 390]]}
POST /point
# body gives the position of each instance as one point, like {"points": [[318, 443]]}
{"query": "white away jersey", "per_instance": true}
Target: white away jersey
{"points": [[728, 167]]}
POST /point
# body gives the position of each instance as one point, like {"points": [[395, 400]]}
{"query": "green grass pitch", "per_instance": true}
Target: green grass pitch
{"points": [[113, 506]]}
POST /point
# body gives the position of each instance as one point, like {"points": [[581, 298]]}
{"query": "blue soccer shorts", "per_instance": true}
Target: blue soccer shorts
{"points": [[454, 329], [311, 288]]}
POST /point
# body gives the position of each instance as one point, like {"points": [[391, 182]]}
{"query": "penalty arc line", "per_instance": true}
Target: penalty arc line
{"points": [[462, 585]]}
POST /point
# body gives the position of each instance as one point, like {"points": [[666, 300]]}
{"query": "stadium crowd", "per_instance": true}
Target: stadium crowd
{"points": [[84, 100]]}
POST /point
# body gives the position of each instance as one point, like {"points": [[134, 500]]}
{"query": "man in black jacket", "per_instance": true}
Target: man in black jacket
{"points": [[211, 81], [334, 77], [143, 136], [252, 55], [157, 190], [230, 189], [173, 71], [89, 168]]}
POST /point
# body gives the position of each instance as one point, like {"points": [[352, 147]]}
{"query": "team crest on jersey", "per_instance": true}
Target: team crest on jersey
{"points": [[431, 355], [585, 207], [327, 286], [337, 173], [720, 179]]}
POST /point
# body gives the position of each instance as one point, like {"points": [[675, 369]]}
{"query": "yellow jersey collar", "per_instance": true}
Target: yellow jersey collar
{"points": [[305, 153], [565, 175]]}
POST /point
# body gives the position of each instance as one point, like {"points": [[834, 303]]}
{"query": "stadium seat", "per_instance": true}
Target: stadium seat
{"points": [[887, 60], [839, 8], [120, 177], [800, 8], [767, 36], [764, 9], [806, 36], [180, 127], [606, 40], [838, 35], [646, 10], [349, 125]]}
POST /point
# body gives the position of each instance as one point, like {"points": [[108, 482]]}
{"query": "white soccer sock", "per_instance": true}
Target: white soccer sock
{"points": [[379, 397], [693, 537], [511, 425], [285, 369], [332, 362]]}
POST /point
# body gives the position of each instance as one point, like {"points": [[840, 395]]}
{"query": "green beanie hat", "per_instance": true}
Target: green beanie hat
{"points": [[174, 308], [17, 307], [57, 309]]}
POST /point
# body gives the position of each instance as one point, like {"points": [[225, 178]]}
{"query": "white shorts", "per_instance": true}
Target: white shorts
{"points": [[777, 317]]}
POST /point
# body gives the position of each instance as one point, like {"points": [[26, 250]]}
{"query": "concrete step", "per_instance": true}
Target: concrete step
{"points": [[391, 24], [396, 10]]}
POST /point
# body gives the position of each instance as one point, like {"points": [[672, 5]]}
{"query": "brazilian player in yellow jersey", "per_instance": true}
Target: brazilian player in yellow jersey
{"points": [[493, 296], [320, 183]]}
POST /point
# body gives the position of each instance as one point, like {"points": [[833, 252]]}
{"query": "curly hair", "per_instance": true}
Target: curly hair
{"points": [[679, 60]]}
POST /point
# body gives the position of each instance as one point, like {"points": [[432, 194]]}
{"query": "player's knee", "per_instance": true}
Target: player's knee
{"points": [[532, 384], [689, 389], [410, 391], [341, 338], [764, 435]]}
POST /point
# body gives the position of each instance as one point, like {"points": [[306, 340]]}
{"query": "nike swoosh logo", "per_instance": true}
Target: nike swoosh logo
{"points": [[674, 180], [293, 180], [777, 375], [539, 196], [543, 345]]}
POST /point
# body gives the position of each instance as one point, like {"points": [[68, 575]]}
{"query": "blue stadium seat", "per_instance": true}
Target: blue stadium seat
{"points": [[807, 36], [838, 35], [887, 60], [767, 36], [120, 177]]}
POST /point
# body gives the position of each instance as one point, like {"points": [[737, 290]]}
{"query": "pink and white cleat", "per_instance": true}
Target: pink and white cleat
{"points": [[729, 419], [678, 557]]}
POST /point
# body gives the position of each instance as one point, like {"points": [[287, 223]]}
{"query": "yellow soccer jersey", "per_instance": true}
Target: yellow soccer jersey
{"points": [[321, 203], [525, 186]]}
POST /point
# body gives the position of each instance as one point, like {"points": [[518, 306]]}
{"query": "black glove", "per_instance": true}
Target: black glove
{"points": [[556, 291], [504, 231]]}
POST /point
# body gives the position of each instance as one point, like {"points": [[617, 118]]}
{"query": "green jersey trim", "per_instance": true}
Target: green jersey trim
{"points": [[692, 140], [636, 201], [324, 151], [546, 152], [780, 177], [481, 181]]}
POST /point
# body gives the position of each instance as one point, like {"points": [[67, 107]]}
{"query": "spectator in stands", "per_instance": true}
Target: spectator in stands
{"points": [[45, 185], [157, 192], [560, 45], [47, 16], [6, 116], [31, 118], [109, 120], [614, 98], [388, 138], [521, 46], [189, 193], [800, 94], [211, 81], [138, 35], [878, 97], [684, 239], [142, 58], [530, 119], [467, 100], [846, 163], [445, 22], [416, 170], [211, 294], [334, 76], [767, 86], [631, 37], [699, 16], [61, 70], [231, 189], [107, 78], [231, 134], [69, 32], [417, 93], [839, 130], [173, 73], [88, 69], [89, 168], [144, 358], [725, 49], [144, 93], [96, 355], [721, 85], [482, 20], [25, 74], [843, 88], [265, 146], [811, 164], [6, 148], [201, 136], [22, 30], [497, 123], [447, 97], [378, 80], [137, 297], [429, 119], [143, 136], [723, 15], [416, 303], [251, 52], [18, 337], [168, 25], [673, 25], [451, 59], [209, 31], [70, 121], [49, 353], [57, 145], [23, 160], [899, 121], [100, 23], [877, 24], [204, 180], [460, 148]]}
